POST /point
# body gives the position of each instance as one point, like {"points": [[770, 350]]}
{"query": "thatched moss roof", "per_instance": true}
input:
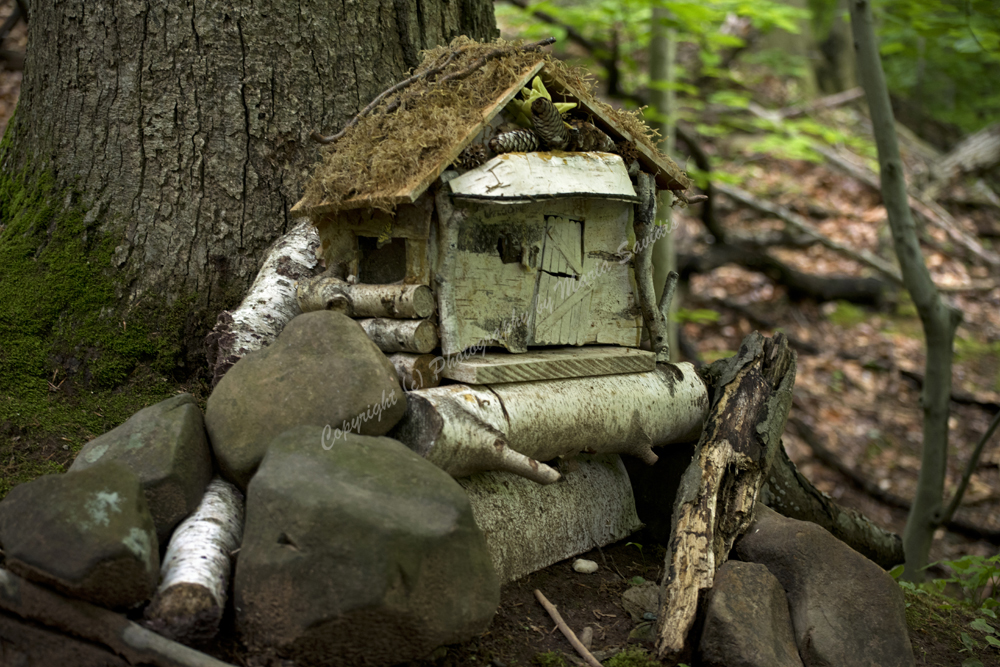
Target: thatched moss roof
{"points": [[393, 154]]}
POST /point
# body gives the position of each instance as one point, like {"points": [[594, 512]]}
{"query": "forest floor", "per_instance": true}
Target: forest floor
{"points": [[854, 395]]}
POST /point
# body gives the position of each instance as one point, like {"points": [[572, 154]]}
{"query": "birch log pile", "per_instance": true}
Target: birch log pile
{"points": [[419, 336], [415, 371], [270, 303], [191, 599], [715, 502], [513, 426]]}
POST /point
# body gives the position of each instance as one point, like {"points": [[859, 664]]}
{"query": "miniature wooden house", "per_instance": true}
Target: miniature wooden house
{"points": [[470, 244], [528, 249]]}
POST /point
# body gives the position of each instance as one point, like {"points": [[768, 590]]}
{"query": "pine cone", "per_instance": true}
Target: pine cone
{"points": [[515, 141], [549, 124], [588, 137], [473, 156]]}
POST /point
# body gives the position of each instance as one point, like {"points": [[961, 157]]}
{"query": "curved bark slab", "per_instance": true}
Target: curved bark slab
{"points": [[716, 498]]}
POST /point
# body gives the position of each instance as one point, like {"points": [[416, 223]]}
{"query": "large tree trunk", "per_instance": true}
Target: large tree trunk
{"points": [[182, 128]]}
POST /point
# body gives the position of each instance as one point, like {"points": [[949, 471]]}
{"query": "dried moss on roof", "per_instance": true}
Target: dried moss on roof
{"points": [[416, 130]]}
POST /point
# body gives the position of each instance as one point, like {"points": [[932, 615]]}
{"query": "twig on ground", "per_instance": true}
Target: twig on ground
{"points": [[567, 632], [831, 460]]}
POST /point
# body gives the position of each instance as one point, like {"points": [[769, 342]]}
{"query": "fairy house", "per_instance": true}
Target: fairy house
{"points": [[421, 207]]}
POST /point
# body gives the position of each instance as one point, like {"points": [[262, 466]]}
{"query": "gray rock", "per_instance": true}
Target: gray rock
{"points": [[322, 370], [166, 446], [88, 535], [363, 554], [846, 611], [747, 623]]}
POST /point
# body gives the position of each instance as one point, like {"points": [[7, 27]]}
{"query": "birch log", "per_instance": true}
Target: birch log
{"points": [[393, 301], [191, 599], [136, 644], [714, 504], [465, 429], [449, 220], [419, 336], [415, 371], [269, 304]]}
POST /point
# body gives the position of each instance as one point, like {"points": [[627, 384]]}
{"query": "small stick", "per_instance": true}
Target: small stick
{"points": [[580, 648], [319, 138]]}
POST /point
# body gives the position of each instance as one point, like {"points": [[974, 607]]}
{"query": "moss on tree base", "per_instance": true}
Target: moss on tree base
{"points": [[72, 365]]}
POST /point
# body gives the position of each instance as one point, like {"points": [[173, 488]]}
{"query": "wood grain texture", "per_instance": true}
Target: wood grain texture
{"points": [[554, 364], [538, 175]]}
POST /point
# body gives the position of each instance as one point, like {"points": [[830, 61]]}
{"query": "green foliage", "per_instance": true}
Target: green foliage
{"points": [[944, 54], [978, 578], [550, 659], [698, 316], [847, 314], [697, 23], [632, 657]]}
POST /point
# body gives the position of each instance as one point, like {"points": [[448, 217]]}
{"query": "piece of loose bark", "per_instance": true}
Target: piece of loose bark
{"points": [[714, 506]]}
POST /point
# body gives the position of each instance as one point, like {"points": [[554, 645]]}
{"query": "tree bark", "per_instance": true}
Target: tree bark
{"points": [[182, 129], [715, 502]]}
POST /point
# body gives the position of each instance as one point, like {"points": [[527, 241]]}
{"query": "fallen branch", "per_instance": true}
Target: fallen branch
{"points": [[133, 642], [928, 210], [957, 395], [827, 102], [567, 632], [832, 461], [800, 285], [789, 493], [270, 303], [977, 152], [426, 74], [804, 226]]}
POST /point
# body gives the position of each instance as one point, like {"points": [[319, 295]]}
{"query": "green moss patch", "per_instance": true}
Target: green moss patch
{"points": [[71, 365]]}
